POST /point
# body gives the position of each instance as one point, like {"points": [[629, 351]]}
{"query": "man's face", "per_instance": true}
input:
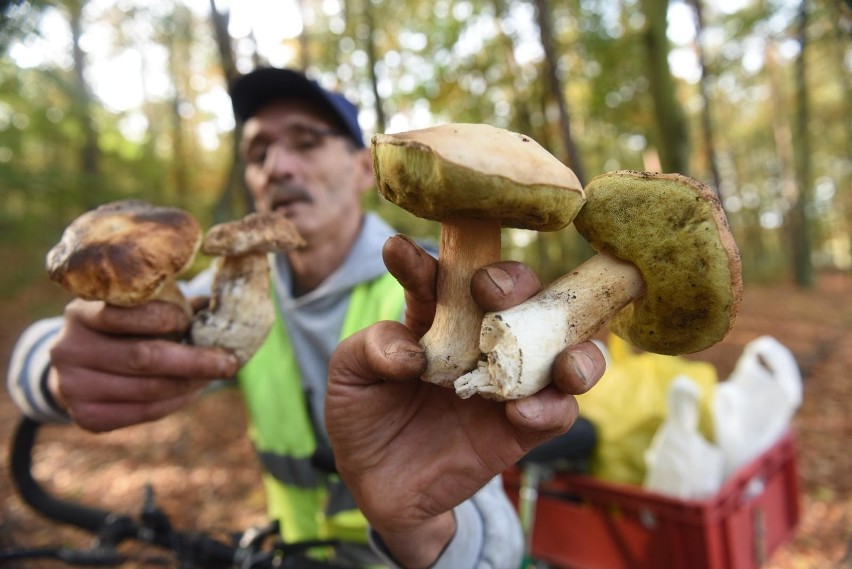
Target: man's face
{"points": [[297, 163]]}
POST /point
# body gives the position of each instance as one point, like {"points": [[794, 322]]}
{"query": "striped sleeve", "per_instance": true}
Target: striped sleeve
{"points": [[28, 368]]}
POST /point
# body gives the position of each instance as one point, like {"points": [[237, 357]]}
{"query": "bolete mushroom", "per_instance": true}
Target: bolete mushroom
{"points": [[241, 313], [126, 253], [667, 278], [474, 179]]}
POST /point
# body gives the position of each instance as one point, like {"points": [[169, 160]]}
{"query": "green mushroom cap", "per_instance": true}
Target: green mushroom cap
{"points": [[476, 171], [674, 230]]}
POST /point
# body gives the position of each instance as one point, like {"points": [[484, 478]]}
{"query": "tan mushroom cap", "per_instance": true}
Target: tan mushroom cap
{"points": [[674, 230], [476, 171], [255, 233], [124, 252]]}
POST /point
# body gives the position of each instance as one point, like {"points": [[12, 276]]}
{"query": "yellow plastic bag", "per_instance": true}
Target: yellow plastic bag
{"points": [[630, 402]]}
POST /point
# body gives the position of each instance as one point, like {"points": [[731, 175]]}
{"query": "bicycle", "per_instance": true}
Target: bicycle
{"points": [[254, 548]]}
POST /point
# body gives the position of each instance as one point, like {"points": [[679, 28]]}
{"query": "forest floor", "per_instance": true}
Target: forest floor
{"points": [[205, 476]]}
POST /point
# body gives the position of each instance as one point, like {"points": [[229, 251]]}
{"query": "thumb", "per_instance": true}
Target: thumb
{"points": [[385, 351]]}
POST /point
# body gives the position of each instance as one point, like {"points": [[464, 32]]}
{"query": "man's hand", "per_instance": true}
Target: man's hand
{"points": [[411, 451], [112, 367]]}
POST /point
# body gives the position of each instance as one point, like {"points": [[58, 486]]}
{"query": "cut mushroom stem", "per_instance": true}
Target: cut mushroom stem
{"points": [[521, 343], [667, 279], [452, 343], [241, 313]]}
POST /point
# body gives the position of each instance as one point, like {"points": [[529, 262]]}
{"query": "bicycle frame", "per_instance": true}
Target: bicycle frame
{"points": [[250, 549]]}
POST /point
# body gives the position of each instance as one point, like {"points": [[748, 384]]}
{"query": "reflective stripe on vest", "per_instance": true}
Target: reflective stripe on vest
{"points": [[308, 503]]}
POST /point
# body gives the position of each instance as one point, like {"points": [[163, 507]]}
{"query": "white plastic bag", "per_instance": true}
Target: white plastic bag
{"points": [[755, 405], [680, 461]]}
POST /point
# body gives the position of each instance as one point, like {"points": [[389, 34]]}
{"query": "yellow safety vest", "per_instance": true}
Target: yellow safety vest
{"points": [[298, 495]]}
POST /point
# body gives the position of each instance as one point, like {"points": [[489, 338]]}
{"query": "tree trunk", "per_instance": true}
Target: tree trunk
{"points": [[673, 138], [841, 20], [372, 62], [521, 118], [234, 199], [551, 68], [90, 152], [800, 226], [706, 100]]}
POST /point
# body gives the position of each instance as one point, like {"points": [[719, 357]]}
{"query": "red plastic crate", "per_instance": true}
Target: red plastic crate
{"points": [[582, 522]]}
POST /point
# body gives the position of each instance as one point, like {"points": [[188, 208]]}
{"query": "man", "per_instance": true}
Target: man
{"points": [[419, 462]]}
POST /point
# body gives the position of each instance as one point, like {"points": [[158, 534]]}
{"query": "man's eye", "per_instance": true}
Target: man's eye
{"points": [[305, 142], [257, 155]]}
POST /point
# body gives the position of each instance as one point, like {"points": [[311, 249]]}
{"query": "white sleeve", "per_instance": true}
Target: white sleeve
{"points": [[27, 372]]}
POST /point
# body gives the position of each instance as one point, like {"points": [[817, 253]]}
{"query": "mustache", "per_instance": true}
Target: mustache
{"points": [[288, 193]]}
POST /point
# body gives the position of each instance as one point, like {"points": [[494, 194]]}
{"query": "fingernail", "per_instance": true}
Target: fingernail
{"points": [[228, 365], [501, 279], [529, 408], [403, 350], [583, 366]]}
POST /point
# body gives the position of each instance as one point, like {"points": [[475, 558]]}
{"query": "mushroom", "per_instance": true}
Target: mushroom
{"points": [[126, 253], [667, 278], [474, 179], [241, 313]]}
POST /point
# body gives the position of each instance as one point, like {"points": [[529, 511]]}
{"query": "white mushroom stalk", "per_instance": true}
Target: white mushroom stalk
{"points": [[241, 313], [667, 279], [475, 179], [521, 343]]}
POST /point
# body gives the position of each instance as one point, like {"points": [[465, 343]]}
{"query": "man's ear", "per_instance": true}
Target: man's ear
{"points": [[364, 170]]}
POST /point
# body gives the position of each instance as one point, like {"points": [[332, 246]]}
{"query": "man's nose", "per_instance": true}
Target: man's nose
{"points": [[281, 161]]}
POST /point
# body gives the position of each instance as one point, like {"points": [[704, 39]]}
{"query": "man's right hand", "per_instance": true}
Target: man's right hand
{"points": [[112, 367]]}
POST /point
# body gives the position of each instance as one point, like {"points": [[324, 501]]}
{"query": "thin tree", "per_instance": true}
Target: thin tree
{"points": [[551, 64], [800, 226], [706, 100], [90, 151], [234, 199], [372, 63], [673, 138]]}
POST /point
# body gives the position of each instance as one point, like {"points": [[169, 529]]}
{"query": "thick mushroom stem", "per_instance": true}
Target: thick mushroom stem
{"points": [[521, 343], [452, 343], [240, 313]]}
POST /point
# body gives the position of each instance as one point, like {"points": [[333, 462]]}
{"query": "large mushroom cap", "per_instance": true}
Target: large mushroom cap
{"points": [[476, 171], [674, 230], [124, 252]]}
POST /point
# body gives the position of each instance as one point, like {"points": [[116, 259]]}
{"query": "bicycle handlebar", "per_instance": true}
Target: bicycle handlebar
{"points": [[153, 527], [90, 519]]}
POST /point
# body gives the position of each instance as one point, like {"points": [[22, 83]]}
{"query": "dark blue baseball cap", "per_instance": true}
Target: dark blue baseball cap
{"points": [[257, 88]]}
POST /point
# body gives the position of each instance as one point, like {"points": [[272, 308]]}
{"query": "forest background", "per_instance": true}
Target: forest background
{"points": [[103, 100]]}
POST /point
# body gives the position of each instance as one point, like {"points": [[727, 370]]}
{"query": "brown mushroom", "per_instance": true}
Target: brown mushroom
{"points": [[241, 313], [474, 179], [667, 279], [126, 253]]}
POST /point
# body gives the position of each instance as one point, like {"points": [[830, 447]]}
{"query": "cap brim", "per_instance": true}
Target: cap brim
{"points": [[252, 91]]}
